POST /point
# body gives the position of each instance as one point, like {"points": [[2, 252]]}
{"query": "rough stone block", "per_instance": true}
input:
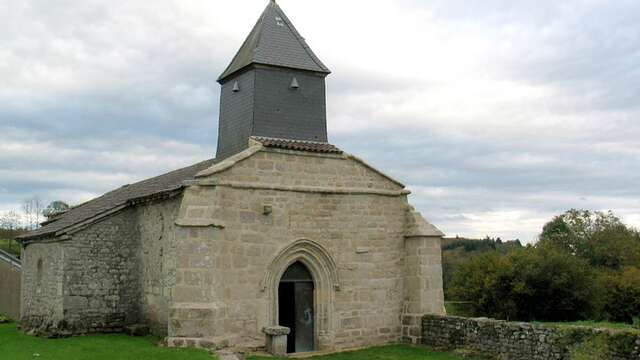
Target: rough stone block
{"points": [[276, 340]]}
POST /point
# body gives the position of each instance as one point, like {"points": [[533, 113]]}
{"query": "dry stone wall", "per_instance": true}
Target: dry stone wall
{"points": [[507, 340]]}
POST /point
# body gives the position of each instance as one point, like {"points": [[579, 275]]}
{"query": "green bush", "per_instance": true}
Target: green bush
{"points": [[586, 266], [530, 284], [4, 319], [594, 348], [621, 295], [10, 246]]}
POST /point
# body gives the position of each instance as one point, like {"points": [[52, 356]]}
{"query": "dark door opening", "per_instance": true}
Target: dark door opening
{"points": [[295, 299]]}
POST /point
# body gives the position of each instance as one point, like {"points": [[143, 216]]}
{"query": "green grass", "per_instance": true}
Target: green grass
{"points": [[16, 346], [393, 352], [591, 324], [12, 247], [5, 319], [458, 308]]}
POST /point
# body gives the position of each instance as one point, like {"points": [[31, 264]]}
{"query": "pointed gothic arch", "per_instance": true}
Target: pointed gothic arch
{"points": [[326, 282]]}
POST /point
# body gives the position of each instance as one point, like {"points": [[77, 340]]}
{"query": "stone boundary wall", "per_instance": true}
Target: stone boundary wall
{"points": [[508, 340], [10, 285]]}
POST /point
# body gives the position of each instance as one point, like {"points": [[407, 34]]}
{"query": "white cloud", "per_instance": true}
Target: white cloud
{"points": [[499, 114]]}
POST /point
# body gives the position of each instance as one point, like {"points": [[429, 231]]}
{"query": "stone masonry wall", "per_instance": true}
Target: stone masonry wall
{"points": [[42, 266], [220, 271], [156, 224], [102, 275], [115, 272], [423, 285], [235, 222], [508, 340]]}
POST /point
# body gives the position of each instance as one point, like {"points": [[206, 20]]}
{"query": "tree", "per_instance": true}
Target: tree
{"points": [[55, 208], [10, 227], [599, 237], [10, 221], [456, 251], [621, 301], [32, 209], [527, 284]]}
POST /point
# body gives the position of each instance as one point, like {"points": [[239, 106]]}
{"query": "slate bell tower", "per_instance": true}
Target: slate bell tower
{"points": [[274, 88]]}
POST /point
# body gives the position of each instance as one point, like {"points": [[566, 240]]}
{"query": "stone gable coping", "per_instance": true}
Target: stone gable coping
{"points": [[370, 167], [418, 226], [231, 161]]}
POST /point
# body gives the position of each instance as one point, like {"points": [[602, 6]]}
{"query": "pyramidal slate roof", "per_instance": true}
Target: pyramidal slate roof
{"points": [[275, 41], [119, 198]]}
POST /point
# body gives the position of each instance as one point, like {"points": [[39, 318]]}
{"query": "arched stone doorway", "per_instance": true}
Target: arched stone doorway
{"points": [[323, 270], [296, 307]]}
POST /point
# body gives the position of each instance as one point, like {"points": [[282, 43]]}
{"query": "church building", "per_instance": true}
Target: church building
{"points": [[283, 241]]}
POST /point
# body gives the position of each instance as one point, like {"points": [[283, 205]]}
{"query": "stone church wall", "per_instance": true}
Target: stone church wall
{"points": [[101, 266], [117, 272], [156, 224], [236, 222], [42, 266]]}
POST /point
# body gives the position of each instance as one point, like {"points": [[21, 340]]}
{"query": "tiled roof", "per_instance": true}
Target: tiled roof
{"points": [[125, 195], [275, 41], [301, 145]]}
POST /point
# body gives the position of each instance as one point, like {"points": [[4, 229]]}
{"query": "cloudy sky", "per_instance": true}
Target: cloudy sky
{"points": [[496, 114]]}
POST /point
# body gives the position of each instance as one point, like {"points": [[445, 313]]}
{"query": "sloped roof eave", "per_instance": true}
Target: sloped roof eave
{"points": [[112, 211], [122, 197]]}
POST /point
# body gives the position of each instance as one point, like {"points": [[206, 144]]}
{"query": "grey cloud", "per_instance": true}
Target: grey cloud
{"points": [[98, 94]]}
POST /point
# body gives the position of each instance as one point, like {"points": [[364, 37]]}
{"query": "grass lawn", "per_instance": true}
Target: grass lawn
{"points": [[393, 352], [458, 308], [16, 346], [592, 324]]}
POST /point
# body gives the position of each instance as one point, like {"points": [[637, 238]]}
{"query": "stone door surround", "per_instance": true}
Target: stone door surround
{"points": [[326, 282]]}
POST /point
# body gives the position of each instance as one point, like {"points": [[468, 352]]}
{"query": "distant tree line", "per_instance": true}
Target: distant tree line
{"points": [[585, 266], [457, 251], [31, 215]]}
